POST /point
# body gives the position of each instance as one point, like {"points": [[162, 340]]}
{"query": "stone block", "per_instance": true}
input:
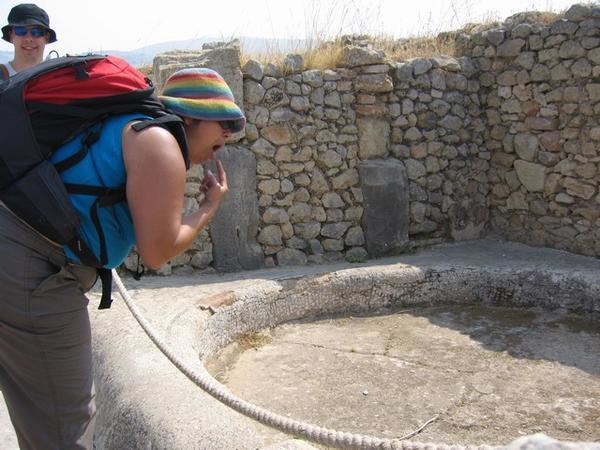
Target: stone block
{"points": [[333, 245], [346, 179], [291, 257], [270, 236], [335, 230], [541, 123], [578, 188], [253, 92], [293, 63], [353, 56], [300, 212], [373, 137], [526, 146], [510, 48], [234, 228], [253, 69], [531, 175], [332, 200], [593, 90], [355, 237], [386, 214], [376, 83]]}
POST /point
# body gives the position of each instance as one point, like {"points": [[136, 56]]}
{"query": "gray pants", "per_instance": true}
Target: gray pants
{"points": [[45, 341]]}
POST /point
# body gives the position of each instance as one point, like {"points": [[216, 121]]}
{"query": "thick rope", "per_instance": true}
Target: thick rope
{"points": [[320, 435]]}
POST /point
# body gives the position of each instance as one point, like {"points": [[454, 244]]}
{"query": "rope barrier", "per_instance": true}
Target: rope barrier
{"points": [[313, 433]]}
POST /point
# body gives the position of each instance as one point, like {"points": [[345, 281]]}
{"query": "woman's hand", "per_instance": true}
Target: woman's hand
{"points": [[214, 187]]}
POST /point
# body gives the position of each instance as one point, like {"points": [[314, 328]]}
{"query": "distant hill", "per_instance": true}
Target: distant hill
{"points": [[145, 55]]}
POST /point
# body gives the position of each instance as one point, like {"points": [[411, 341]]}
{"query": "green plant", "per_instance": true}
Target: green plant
{"points": [[354, 259], [254, 339]]}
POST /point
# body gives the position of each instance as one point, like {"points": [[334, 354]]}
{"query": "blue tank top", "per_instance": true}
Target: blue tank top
{"points": [[103, 166]]}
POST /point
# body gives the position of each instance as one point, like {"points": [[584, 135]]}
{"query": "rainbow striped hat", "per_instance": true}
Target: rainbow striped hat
{"points": [[202, 94]]}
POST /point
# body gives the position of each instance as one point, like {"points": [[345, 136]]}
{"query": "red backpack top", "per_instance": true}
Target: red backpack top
{"points": [[97, 77]]}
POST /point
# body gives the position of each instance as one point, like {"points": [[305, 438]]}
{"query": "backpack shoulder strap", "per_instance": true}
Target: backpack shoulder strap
{"points": [[173, 124], [4, 72], [160, 121]]}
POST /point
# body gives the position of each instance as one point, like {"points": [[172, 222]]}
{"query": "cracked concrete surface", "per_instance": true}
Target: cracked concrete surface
{"points": [[489, 374]]}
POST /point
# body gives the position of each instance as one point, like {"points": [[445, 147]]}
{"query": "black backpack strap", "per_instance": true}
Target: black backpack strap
{"points": [[86, 111], [174, 125], [88, 258], [106, 278], [160, 121], [86, 142], [139, 270], [106, 197], [85, 253], [64, 110], [4, 72], [110, 196]]}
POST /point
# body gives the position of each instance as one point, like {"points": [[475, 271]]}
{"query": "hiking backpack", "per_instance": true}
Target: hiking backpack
{"points": [[44, 107]]}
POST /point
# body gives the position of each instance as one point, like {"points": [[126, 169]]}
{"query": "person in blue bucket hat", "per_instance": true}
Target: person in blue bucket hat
{"points": [[29, 31]]}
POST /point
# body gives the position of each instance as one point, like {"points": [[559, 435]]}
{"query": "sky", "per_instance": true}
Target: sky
{"points": [[103, 25]]}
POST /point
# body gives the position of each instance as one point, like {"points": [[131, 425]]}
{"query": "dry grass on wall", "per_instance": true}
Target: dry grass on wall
{"points": [[329, 54], [322, 52], [146, 69]]}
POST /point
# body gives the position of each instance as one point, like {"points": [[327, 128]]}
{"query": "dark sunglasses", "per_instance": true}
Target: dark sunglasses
{"points": [[232, 126], [36, 32]]}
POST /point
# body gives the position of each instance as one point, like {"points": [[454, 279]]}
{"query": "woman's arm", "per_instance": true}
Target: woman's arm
{"points": [[155, 191]]}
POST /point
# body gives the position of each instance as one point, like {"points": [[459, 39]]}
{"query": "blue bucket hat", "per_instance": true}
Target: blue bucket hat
{"points": [[27, 14]]}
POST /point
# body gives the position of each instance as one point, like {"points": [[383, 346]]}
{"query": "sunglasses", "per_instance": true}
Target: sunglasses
{"points": [[36, 32], [232, 126]]}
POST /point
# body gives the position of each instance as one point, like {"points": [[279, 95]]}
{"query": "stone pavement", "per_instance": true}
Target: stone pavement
{"points": [[490, 379]]}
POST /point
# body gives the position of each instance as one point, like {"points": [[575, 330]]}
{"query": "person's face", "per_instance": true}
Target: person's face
{"points": [[29, 42], [204, 138]]}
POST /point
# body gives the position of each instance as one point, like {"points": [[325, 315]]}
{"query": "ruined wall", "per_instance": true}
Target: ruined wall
{"points": [[437, 133], [540, 90], [415, 127], [504, 137], [310, 131]]}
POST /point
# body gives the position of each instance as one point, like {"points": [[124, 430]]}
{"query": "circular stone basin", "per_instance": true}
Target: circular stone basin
{"points": [[482, 353], [488, 374]]}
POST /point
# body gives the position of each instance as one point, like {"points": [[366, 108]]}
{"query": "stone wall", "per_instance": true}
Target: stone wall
{"points": [[504, 137], [540, 91], [311, 130]]}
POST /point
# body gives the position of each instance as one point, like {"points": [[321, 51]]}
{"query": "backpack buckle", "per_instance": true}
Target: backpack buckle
{"points": [[80, 71]]}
